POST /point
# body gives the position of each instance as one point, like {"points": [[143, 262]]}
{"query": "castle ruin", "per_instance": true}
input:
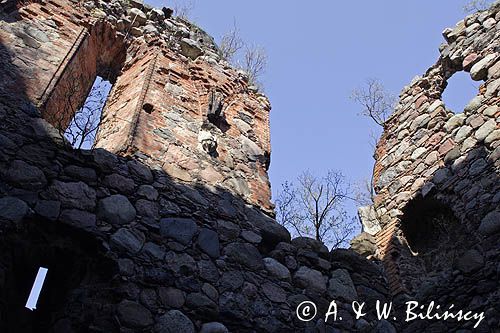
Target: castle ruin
{"points": [[167, 224]]}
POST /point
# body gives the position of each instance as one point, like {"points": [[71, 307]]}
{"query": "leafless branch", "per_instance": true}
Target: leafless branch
{"points": [[477, 6], [375, 101], [79, 110], [250, 58], [231, 43], [254, 63], [83, 127], [183, 8], [364, 193]]}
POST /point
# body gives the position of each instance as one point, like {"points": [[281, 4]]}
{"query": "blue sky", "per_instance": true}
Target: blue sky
{"points": [[319, 51], [317, 55]]}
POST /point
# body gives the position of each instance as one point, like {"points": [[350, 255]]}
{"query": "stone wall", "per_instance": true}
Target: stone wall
{"points": [[166, 226], [437, 178], [149, 253], [153, 230], [174, 103]]}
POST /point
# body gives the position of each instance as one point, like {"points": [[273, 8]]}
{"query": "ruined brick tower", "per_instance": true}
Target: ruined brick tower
{"points": [[436, 213], [172, 104], [166, 225]]}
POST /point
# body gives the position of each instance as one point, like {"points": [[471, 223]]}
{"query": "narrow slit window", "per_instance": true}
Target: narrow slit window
{"points": [[82, 130]]}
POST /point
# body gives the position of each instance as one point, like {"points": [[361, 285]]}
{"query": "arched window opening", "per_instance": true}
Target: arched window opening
{"points": [[76, 95], [461, 89], [81, 131], [432, 231], [427, 223]]}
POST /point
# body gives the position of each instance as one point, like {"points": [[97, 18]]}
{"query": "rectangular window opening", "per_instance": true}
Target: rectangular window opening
{"points": [[82, 130]]}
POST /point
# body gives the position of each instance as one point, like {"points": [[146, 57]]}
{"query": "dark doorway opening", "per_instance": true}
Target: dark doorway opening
{"points": [[427, 223], [77, 274], [432, 232]]}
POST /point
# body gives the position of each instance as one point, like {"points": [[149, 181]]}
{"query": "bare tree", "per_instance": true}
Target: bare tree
{"points": [[254, 63], [377, 104], [286, 211], [476, 6], [316, 208], [375, 101], [248, 57], [231, 43]]}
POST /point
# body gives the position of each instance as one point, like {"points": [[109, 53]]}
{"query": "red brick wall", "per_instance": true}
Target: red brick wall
{"points": [[148, 71]]}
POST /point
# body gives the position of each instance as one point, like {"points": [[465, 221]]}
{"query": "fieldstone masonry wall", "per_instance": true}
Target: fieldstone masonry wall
{"points": [[164, 73], [166, 226], [437, 178]]}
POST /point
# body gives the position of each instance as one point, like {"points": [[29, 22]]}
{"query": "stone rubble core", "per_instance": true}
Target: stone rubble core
{"points": [[166, 226]]}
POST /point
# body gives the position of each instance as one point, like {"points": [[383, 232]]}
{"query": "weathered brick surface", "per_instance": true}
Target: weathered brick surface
{"points": [[75, 44]]}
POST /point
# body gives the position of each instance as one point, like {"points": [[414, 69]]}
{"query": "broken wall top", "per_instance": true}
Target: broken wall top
{"points": [[431, 160], [175, 103]]}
